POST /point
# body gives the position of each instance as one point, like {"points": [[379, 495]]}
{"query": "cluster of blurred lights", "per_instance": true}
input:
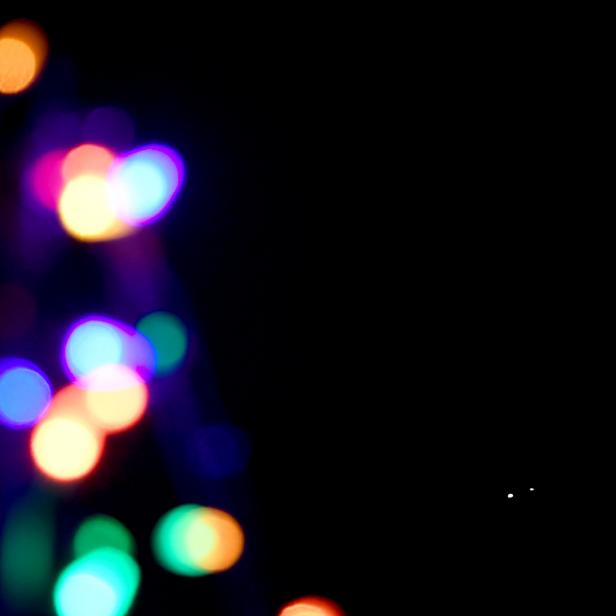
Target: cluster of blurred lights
{"points": [[102, 192], [101, 195]]}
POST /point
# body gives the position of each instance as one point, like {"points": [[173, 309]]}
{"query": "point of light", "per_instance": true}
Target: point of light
{"points": [[25, 393], [65, 448], [192, 540], [87, 159], [101, 583], [148, 180], [509, 495], [23, 48], [94, 342], [88, 210], [311, 606], [532, 489], [102, 531], [168, 337], [115, 397]]}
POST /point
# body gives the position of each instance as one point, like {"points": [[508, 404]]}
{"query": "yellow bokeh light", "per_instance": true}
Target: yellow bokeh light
{"points": [[23, 49], [66, 449], [215, 540], [87, 210], [115, 397]]}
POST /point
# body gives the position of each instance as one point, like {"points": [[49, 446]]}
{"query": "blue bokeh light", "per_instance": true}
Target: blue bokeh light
{"points": [[92, 344], [146, 182], [25, 394]]}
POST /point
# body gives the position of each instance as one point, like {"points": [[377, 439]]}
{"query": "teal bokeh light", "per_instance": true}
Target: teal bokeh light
{"points": [[168, 337], [101, 583]]}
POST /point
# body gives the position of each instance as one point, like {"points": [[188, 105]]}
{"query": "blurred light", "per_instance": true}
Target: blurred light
{"points": [[88, 210], [65, 448], [147, 181], [311, 606], [115, 397], [110, 126], [168, 336], [169, 541], [220, 451], [69, 403], [26, 553], [45, 178], [192, 540], [101, 583], [25, 393], [17, 311], [94, 342], [87, 159], [224, 549], [102, 531], [23, 49]]}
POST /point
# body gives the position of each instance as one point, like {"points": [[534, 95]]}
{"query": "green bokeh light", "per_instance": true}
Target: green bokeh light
{"points": [[26, 553], [101, 583], [168, 336], [102, 531], [173, 540]]}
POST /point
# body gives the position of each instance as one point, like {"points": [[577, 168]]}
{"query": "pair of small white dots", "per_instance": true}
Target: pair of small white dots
{"points": [[510, 495]]}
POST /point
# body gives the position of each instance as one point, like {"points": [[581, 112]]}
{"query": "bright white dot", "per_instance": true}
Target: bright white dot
{"points": [[509, 495], [532, 489]]}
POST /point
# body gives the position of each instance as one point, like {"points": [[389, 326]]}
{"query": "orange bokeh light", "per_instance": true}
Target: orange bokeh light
{"points": [[66, 448], [23, 50], [115, 397], [88, 159], [311, 606], [227, 544]]}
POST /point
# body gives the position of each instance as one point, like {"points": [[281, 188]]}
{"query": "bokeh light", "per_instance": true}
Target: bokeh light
{"points": [[96, 341], [311, 606], [25, 393], [168, 337], [87, 159], [220, 451], [102, 531], [101, 583], [27, 553], [147, 181], [23, 49], [92, 343], [88, 210], [68, 402], [115, 397], [66, 448], [191, 540], [45, 178]]}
